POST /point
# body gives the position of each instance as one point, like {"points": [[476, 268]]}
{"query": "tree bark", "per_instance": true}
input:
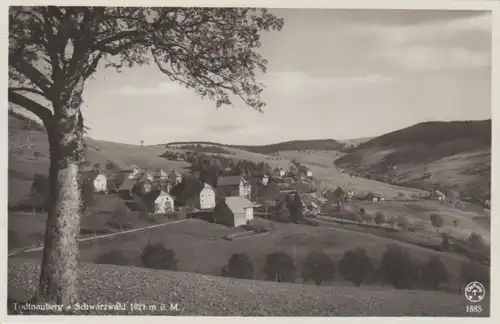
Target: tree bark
{"points": [[58, 278]]}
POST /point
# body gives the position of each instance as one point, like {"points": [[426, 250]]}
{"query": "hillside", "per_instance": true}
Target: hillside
{"points": [[452, 154], [202, 295], [28, 155]]}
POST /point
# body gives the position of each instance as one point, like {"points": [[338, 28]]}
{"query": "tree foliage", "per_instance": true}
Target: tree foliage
{"points": [[279, 267], [437, 221], [295, 208], [355, 266], [156, 256], [53, 51], [398, 268], [380, 218], [239, 266], [434, 273], [318, 267]]}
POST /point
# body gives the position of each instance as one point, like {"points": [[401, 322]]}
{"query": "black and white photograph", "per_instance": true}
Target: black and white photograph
{"points": [[263, 161]]}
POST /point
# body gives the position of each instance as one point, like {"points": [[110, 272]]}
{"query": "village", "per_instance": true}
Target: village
{"points": [[233, 199]]}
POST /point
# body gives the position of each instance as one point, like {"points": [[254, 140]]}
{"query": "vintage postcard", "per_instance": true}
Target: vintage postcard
{"points": [[249, 159]]}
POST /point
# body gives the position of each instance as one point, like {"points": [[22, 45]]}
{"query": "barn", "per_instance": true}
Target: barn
{"points": [[234, 211]]}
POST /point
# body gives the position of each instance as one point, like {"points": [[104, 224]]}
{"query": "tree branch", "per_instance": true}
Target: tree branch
{"points": [[38, 92], [25, 68], [40, 111]]}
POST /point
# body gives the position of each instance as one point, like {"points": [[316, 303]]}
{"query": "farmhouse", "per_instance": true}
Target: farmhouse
{"points": [[144, 186], [174, 177], [230, 186], [279, 172], [305, 172], [194, 193], [335, 197], [144, 175], [98, 180], [131, 171], [159, 202], [373, 197], [438, 195], [126, 188], [160, 175], [233, 211]]}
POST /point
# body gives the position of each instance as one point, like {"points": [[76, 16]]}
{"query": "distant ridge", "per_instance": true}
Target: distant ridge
{"points": [[316, 144]]}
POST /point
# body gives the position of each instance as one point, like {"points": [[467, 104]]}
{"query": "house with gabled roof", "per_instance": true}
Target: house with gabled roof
{"points": [[234, 211], [231, 186], [97, 179], [159, 202], [131, 171], [174, 177], [194, 193], [126, 188]]}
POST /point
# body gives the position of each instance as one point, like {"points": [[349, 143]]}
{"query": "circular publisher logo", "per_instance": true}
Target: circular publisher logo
{"points": [[475, 292]]}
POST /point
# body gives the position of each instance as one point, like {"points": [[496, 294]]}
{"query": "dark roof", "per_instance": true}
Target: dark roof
{"points": [[302, 187], [229, 180], [128, 184]]}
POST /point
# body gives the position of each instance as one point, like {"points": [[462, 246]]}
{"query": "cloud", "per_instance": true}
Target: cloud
{"points": [[404, 34], [161, 89], [431, 58], [224, 128], [293, 82], [456, 44]]}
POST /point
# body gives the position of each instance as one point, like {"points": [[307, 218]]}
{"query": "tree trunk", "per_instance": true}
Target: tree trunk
{"points": [[58, 278]]}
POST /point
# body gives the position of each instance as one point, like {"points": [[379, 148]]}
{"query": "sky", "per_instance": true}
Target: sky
{"points": [[337, 74]]}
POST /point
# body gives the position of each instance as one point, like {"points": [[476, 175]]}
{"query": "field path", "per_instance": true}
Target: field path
{"points": [[39, 248]]}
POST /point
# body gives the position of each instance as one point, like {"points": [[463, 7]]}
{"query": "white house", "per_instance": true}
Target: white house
{"points": [[163, 202], [207, 197], [98, 179], [234, 211]]}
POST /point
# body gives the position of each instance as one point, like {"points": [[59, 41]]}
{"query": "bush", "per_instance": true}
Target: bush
{"points": [[318, 267], [239, 266], [156, 256], [434, 273], [113, 257], [110, 166], [356, 266], [280, 267], [398, 268], [473, 271], [475, 241], [37, 154], [380, 218], [437, 221]]}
